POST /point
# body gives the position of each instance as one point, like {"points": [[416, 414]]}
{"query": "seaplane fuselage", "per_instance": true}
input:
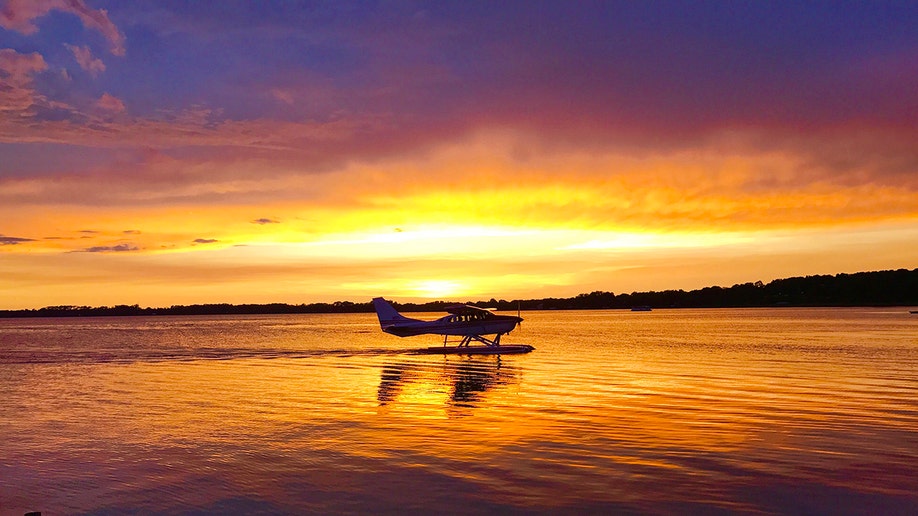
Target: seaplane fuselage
{"points": [[454, 325], [464, 321]]}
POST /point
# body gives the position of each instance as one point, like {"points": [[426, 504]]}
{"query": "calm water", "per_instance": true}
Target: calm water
{"points": [[668, 412]]}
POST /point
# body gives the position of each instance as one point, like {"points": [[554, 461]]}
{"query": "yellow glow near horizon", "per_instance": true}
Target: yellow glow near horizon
{"points": [[436, 289], [462, 242], [474, 264]]}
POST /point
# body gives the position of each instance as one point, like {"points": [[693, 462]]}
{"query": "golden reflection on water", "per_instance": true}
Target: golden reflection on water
{"points": [[660, 412]]}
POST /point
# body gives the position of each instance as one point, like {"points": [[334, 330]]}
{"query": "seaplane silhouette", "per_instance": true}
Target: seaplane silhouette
{"points": [[468, 322]]}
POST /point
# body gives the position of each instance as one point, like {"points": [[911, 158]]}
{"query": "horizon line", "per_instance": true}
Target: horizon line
{"points": [[758, 283]]}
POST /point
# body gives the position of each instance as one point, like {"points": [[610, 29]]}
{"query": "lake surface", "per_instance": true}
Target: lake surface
{"points": [[759, 411]]}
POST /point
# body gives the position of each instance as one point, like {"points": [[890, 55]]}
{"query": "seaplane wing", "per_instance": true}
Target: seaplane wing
{"points": [[469, 322], [466, 310]]}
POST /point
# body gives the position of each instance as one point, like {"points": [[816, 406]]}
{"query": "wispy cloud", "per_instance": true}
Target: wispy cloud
{"points": [[86, 60], [205, 240], [282, 95], [9, 240], [120, 248], [110, 104], [263, 221]]}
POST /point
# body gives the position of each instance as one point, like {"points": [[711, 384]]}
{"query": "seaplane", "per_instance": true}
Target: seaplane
{"points": [[470, 323]]}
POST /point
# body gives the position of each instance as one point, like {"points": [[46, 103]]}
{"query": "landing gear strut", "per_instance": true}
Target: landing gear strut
{"points": [[466, 339]]}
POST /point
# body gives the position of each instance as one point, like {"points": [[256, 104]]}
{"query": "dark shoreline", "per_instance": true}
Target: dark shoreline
{"points": [[879, 288]]}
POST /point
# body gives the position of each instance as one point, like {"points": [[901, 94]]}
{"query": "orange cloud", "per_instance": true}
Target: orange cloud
{"points": [[707, 186], [482, 181]]}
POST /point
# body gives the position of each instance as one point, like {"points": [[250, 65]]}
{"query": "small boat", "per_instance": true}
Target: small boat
{"points": [[913, 312], [504, 349], [640, 309]]}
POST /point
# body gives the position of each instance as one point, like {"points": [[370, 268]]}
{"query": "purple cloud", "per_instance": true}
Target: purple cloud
{"points": [[120, 248], [17, 89], [20, 15], [86, 60], [263, 221]]}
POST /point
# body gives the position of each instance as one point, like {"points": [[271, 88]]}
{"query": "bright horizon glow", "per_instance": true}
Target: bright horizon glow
{"points": [[425, 265], [438, 289]]}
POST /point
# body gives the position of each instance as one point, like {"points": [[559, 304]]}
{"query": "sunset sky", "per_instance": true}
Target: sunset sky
{"points": [[158, 152]]}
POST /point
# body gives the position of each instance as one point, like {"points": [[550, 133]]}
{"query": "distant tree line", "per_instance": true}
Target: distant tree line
{"points": [[881, 288], [203, 309]]}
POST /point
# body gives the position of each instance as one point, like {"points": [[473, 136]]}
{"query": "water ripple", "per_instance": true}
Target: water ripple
{"points": [[668, 412]]}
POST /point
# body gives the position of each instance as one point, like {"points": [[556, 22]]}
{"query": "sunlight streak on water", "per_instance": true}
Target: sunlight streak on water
{"points": [[670, 411]]}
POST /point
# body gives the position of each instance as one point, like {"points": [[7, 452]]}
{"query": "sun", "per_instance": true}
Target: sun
{"points": [[436, 288]]}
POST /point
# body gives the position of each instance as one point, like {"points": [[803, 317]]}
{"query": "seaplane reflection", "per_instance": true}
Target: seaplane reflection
{"points": [[466, 380]]}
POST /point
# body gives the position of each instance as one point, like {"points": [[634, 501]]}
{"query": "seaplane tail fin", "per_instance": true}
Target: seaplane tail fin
{"points": [[387, 313]]}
